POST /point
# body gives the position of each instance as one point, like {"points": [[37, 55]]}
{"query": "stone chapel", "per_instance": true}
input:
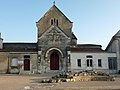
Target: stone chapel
{"points": [[55, 37]]}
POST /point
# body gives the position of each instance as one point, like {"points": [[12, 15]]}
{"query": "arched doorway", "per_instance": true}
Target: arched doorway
{"points": [[54, 61]]}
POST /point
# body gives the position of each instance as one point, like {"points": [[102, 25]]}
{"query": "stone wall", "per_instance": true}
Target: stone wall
{"points": [[3, 62], [20, 67]]}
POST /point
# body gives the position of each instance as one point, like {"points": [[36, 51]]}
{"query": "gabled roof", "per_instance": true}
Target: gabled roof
{"points": [[52, 8], [19, 47], [73, 36], [116, 36], [57, 28]]}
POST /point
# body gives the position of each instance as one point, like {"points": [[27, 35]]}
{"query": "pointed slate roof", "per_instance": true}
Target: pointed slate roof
{"points": [[117, 34], [54, 8], [73, 36]]}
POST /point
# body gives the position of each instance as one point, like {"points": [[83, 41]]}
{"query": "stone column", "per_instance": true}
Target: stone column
{"points": [[64, 64], [38, 61]]}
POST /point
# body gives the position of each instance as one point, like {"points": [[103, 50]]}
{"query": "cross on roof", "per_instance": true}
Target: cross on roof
{"points": [[54, 3]]}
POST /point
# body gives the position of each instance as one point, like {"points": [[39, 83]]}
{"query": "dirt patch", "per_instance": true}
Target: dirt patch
{"points": [[13, 82], [16, 82]]}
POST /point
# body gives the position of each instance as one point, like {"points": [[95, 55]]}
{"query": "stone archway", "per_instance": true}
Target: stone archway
{"points": [[53, 49], [54, 57], [54, 61]]}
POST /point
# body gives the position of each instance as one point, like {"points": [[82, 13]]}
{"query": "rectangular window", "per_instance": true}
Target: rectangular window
{"points": [[89, 63], [79, 62], [99, 63]]}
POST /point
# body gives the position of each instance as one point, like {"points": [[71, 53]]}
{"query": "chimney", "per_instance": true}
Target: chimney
{"points": [[1, 42]]}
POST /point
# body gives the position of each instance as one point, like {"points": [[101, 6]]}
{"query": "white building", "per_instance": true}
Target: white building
{"points": [[91, 57]]}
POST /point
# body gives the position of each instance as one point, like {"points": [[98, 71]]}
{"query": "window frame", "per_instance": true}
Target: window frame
{"points": [[51, 22], [99, 62], [54, 21], [89, 62], [79, 62]]}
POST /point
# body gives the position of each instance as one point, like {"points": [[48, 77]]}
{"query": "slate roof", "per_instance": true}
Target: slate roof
{"points": [[19, 47], [117, 34], [73, 36], [91, 48], [115, 37], [54, 7]]}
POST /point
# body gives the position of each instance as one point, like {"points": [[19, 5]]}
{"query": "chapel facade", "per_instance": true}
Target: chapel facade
{"points": [[55, 37]]}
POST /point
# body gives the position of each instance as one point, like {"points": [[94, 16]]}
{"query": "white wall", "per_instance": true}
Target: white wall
{"points": [[96, 56], [113, 47]]}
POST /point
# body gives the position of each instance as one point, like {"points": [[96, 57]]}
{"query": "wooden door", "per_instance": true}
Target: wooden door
{"points": [[26, 64], [54, 61]]}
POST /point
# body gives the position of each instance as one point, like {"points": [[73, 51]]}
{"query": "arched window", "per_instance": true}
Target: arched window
{"points": [[57, 22], [89, 60], [89, 56], [51, 21], [54, 22]]}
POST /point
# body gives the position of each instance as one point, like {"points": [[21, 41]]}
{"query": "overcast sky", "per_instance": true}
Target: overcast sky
{"points": [[94, 21]]}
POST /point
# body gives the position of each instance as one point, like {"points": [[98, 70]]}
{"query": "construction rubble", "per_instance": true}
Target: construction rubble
{"points": [[80, 76]]}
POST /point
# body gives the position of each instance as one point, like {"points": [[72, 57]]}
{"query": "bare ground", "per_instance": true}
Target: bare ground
{"points": [[22, 82], [15, 82]]}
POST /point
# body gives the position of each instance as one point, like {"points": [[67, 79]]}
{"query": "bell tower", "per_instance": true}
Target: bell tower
{"points": [[54, 39]]}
